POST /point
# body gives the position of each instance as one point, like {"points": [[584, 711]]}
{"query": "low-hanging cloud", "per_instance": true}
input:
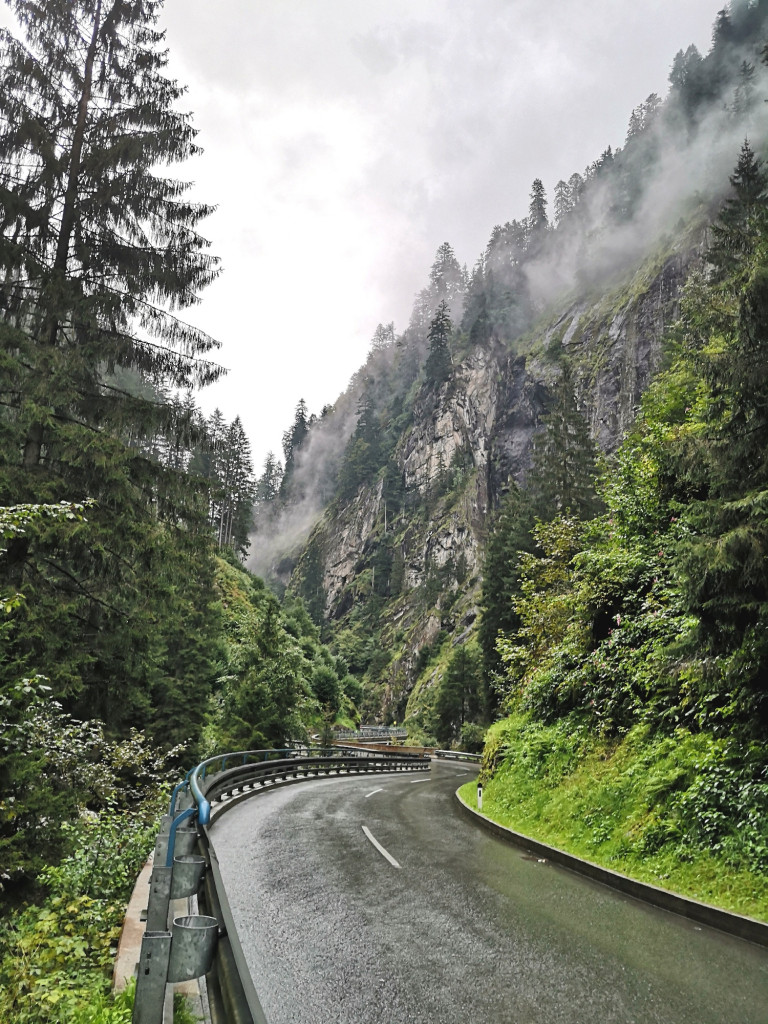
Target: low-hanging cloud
{"points": [[682, 162]]}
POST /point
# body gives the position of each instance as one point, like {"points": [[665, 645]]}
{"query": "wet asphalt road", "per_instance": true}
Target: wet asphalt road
{"points": [[467, 929]]}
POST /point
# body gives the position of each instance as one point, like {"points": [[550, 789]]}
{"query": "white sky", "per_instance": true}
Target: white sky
{"points": [[345, 140]]}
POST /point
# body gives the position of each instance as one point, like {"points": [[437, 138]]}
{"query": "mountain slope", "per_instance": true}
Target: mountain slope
{"points": [[389, 498]]}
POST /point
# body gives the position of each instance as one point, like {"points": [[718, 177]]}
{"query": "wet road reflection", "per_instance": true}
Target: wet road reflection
{"points": [[465, 929]]}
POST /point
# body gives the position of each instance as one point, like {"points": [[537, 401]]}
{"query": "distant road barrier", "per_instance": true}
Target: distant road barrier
{"points": [[458, 755], [371, 732], [185, 865]]}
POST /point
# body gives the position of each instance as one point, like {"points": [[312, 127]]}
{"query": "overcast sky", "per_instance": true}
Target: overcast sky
{"points": [[345, 140]]}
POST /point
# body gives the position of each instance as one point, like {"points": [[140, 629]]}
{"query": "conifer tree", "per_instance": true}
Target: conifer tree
{"points": [[438, 368], [744, 98], [635, 125], [537, 211], [96, 249], [510, 536], [688, 85], [538, 222], [293, 439], [564, 202], [237, 485], [268, 484], [383, 337], [576, 187], [742, 221], [723, 556], [458, 698], [564, 465], [447, 280], [98, 252], [508, 305], [476, 302], [310, 581]]}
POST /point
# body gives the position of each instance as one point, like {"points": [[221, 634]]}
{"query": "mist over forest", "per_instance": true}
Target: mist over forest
{"points": [[676, 158]]}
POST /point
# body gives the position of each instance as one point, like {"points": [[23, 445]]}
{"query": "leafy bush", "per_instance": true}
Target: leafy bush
{"points": [[53, 766], [56, 958], [688, 810], [102, 801], [471, 738]]}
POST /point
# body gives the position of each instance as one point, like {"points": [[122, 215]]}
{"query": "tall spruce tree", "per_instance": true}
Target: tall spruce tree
{"points": [[510, 536], [538, 222], [293, 439], [447, 280], [238, 487], [268, 485], [505, 284], [458, 699], [741, 225], [726, 563], [362, 455], [564, 465], [98, 251], [438, 367]]}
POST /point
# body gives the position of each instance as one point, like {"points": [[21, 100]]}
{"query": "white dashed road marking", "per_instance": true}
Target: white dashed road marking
{"points": [[380, 848]]}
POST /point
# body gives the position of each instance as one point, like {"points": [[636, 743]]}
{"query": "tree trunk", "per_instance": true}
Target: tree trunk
{"points": [[34, 441]]}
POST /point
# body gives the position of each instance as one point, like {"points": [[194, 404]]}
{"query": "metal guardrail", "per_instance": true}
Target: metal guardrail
{"points": [[185, 865], [372, 732], [458, 755]]}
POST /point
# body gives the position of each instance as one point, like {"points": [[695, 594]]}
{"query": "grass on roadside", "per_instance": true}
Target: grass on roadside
{"points": [[688, 812]]}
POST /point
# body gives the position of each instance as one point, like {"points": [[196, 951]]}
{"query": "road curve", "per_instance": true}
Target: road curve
{"points": [[372, 899]]}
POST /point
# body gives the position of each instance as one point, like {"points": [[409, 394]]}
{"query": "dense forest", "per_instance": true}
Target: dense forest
{"points": [[510, 516], [133, 641]]}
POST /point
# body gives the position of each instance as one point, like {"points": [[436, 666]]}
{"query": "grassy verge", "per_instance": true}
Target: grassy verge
{"points": [[688, 812]]}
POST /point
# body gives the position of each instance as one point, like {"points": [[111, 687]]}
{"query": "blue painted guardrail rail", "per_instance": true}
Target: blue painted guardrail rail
{"points": [[205, 944]]}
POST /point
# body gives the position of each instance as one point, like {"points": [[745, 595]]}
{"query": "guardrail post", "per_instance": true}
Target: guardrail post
{"points": [[159, 962], [152, 978], [159, 898], [161, 842]]}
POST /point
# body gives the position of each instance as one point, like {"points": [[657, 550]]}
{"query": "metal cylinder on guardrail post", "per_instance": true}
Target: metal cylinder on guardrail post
{"points": [[186, 840], [193, 945], [187, 876]]}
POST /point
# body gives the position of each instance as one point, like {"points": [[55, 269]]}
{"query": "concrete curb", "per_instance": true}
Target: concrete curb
{"points": [[703, 913], [129, 943]]}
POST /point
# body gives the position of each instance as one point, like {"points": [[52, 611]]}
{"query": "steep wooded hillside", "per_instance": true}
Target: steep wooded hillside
{"points": [[467, 439], [527, 372]]}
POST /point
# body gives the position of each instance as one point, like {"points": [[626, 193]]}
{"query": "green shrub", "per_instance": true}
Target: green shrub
{"points": [[56, 958], [687, 810]]}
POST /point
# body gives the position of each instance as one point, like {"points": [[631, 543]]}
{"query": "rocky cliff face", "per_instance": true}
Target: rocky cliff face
{"points": [[465, 441]]}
